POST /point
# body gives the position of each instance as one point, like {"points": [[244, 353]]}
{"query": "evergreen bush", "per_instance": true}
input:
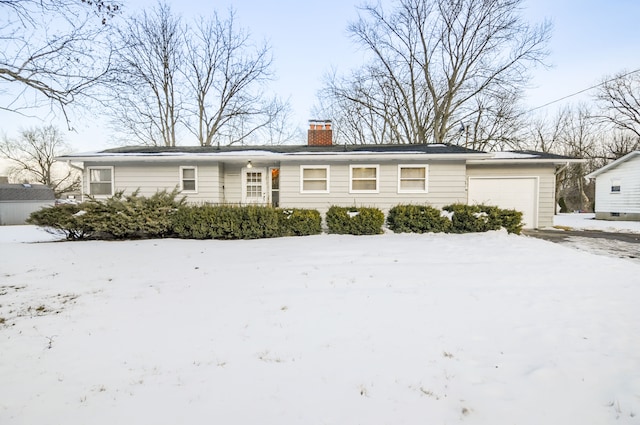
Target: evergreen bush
{"points": [[354, 220], [244, 222], [482, 218], [417, 219], [300, 222], [65, 219], [118, 217], [133, 216]]}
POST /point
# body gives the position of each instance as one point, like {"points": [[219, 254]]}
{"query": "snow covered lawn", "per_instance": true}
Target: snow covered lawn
{"points": [[392, 329]]}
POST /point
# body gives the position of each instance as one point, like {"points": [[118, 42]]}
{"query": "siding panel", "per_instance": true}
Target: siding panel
{"points": [[149, 178], [446, 185], [628, 199]]}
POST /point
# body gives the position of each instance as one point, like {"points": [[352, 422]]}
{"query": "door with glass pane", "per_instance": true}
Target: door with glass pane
{"points": [[254, 186]]}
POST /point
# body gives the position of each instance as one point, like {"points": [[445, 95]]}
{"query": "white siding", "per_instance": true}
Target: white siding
{"points": [[628, 199], [446, 185], [17, 212], [149, 178], [233, 183], [546, 184]]}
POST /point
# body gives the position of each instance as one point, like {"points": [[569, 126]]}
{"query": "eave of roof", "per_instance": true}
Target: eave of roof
{"points": [[303, 152], [613, 164], [526, 156], [231, 153]]}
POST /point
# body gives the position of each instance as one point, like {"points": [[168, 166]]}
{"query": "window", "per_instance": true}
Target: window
{"points": [[364, 178], [188, 179], [615, 186], [412, 178], [100, 181], [314, 179]]}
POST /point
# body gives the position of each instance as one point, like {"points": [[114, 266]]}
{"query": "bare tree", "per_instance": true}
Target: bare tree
{"points": [[548, 134], [207, 78], [492, 122], [53, 51], [362, 109], [146, 79], [580, 137], [226, 73], [619, 101], [33, 155], [618, 144], [433, 59]]}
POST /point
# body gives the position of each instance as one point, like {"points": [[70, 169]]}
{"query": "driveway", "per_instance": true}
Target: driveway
{"points": [[612, 244]]}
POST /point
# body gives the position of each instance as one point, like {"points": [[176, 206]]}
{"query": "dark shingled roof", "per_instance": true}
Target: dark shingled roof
{"points": [[424, 148], [544, 155], [26, 192]]}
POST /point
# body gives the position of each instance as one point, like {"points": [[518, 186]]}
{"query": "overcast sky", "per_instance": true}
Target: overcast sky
{"points": [[591, 39]]}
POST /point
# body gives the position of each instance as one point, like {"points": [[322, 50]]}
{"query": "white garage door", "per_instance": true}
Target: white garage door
{"points": [[517, 193]]}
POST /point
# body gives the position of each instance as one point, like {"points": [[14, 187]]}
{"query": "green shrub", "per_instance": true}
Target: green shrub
{"points": [[354, 221], [117, 217], [133, 216], [228, 222], [195, 222], [469, 218], [482, 218], [511, 220], [300, 222], [417, 219], [259, 222], [65, 219]]}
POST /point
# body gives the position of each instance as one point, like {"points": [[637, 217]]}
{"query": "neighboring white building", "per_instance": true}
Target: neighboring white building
{"points": [[618, 189], [18, 201], [321, 174]]}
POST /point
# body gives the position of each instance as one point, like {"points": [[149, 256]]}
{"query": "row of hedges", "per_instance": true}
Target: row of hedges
{"points": [[246, 222], [455, 218], [163, 215]]}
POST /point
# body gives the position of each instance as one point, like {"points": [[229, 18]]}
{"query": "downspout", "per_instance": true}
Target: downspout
{"points": [[561, 169], [81, 169], [555, 192]]}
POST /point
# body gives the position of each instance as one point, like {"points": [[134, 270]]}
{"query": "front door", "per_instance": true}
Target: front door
{"points": [[254, 186]]}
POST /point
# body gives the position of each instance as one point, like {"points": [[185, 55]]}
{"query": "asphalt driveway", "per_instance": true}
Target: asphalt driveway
{"points": [[613, 244]]}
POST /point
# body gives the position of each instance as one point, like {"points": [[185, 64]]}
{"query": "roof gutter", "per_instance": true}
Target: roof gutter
{"points": [[532, 160], [257, 155]]}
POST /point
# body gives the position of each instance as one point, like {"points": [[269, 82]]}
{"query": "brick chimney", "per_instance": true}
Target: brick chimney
{"points": [[320, 133]]}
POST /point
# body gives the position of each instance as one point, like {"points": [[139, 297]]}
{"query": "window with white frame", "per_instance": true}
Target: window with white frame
{"points": [[100, 181], [314, 179], [615, 186], [188, 179], [413, 178], [364, 178]]}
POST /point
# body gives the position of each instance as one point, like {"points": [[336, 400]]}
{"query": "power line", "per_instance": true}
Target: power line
{"points": [[581, 91]]}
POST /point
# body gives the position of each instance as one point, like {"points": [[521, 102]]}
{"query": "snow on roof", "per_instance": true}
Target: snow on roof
{"points": [[514, 155]]}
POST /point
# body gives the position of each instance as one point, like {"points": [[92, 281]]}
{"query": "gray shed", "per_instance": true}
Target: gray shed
{"points": [[18, 201]]}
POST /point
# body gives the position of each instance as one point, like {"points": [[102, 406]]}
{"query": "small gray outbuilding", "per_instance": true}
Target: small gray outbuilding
{"points": [[18, 201]]}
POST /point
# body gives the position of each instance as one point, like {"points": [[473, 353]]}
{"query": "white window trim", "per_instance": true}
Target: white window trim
{"points": [[615, 183], [426, 178], [89, 181], [315, 167], [181, 177], [376, 166]]}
